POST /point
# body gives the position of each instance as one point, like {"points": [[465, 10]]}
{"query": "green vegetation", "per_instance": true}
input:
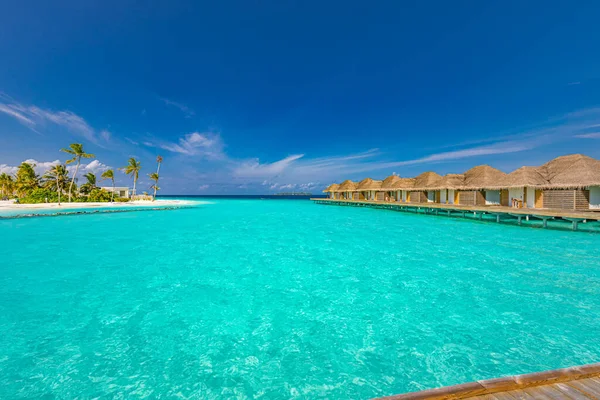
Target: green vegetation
{"points": [[29, 188]]}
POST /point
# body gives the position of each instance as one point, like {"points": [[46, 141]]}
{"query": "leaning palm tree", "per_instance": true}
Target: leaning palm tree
{"points": [[56, 179], [154, 177], [133, 169], [76, 150], [159, 160], [110, 174]]}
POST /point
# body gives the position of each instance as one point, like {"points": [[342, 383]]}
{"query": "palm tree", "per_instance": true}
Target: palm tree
{"points": [[133, 169], [110, 174], [7, 184], [159, 160], [76, 150], [154, 177], [90, 184], [27, 179], [56, 179]]}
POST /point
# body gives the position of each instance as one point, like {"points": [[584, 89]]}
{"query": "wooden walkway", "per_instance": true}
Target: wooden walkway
{"points": [[497, 213], [576, 383]]}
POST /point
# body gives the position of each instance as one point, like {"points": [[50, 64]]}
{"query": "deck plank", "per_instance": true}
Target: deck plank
{"points": [[570, 391], [573, 383], [592, 389]]}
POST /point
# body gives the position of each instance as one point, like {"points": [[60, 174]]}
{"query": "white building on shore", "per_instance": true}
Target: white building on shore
{"points": [[119, 191]]}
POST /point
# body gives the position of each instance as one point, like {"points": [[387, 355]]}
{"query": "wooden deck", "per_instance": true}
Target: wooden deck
{"points": [[497, 213], [576, 383]]}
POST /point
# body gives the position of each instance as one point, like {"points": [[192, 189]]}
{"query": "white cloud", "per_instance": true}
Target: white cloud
{"points": [[182, 107], [95, 167], [203, 187], [206, 145], [34, 117], [7, 169], [133, 142], [595, 135], [104, 134], [255, 170]]}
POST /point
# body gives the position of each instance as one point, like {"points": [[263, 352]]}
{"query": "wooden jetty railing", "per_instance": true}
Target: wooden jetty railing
{"points": [[497, 213], [581, 382]]}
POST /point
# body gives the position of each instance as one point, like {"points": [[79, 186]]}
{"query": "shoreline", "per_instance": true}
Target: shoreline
{"points": [[10, 206]]}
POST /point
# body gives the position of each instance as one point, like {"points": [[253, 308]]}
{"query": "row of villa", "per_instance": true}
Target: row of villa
{"points": [[568, 183]]}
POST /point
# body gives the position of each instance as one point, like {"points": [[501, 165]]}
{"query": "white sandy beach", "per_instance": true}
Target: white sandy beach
{"points": [[10, 205]]}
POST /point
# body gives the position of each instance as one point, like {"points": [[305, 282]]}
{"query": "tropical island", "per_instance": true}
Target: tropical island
{"points": [[56, 184]]}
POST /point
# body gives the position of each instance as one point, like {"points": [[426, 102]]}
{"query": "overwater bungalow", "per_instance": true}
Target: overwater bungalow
{"points": [[388, 189], [448, 187], [569, 183], [369, 189], [482, 186], [346, 190], [332, 191], [423, 190], [573, 183], [520, 188]]}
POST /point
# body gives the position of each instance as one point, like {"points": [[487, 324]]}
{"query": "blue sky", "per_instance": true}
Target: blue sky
{"points": [[244, 97]]}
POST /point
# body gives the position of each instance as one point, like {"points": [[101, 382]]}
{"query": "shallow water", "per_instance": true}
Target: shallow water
{"points": [[285, 298]]}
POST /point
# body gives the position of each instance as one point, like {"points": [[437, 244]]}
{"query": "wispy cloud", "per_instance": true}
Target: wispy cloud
{"points": [[202, 145], [35, 118], [592, 135], [255, 170], [105, 134], [189, 113]]}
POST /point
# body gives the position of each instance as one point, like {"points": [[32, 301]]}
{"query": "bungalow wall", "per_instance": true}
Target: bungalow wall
{"points": [[471, 198], [417, 197], [595, 198], [380, 196], [578, 199], [504, 198]]}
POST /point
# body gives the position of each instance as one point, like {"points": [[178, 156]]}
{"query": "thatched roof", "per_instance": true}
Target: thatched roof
{"points": [[426, 180], [369, 184], [484, 177], [331, 188], [390, 181], [525, 176], [573, 171], [403, 184], [347, 186], [449, 181]]}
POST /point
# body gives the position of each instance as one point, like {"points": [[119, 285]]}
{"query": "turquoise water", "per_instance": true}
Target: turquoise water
{"points": [[286, 299]]}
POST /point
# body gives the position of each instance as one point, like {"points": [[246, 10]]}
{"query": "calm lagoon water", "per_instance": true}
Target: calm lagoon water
{"points": [[286, 299]]}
